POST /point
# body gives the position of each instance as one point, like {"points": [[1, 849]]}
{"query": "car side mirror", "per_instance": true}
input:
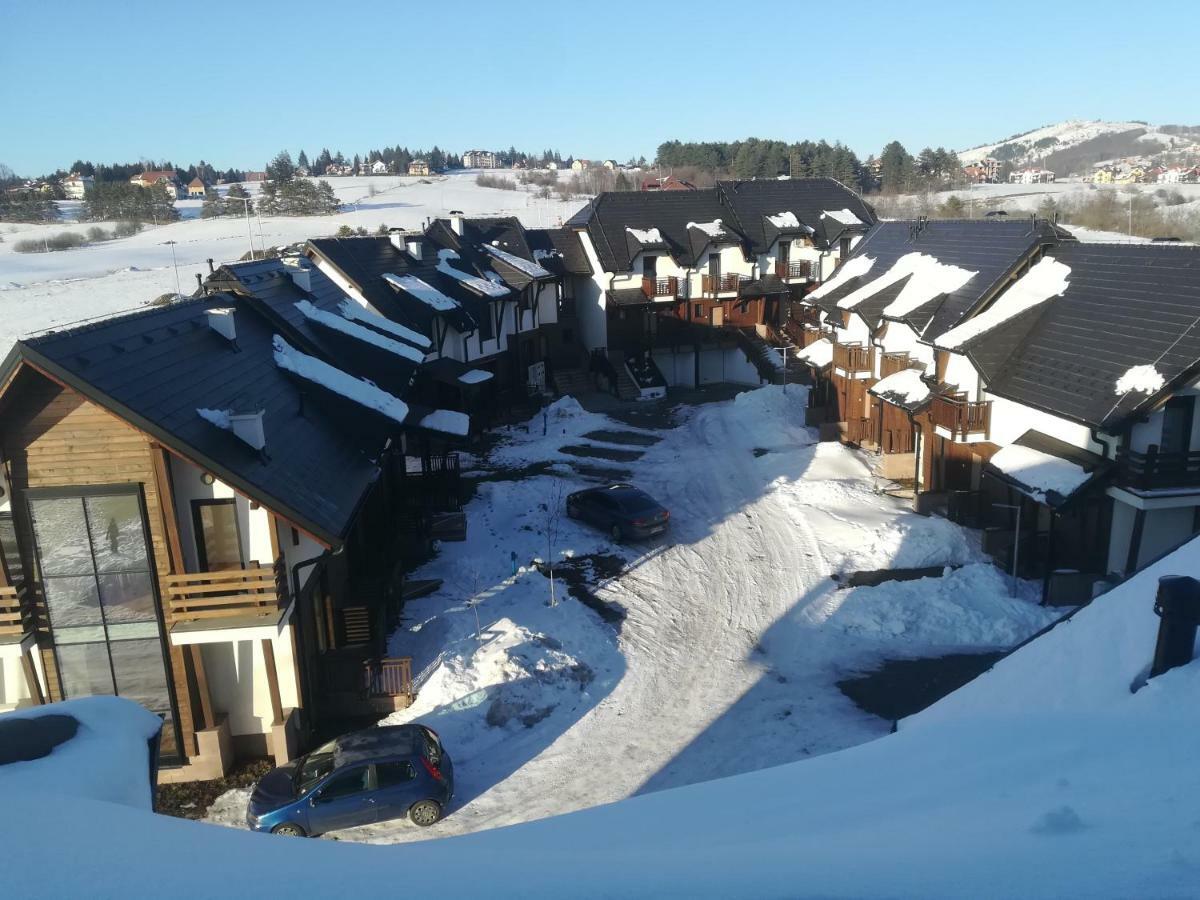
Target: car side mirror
{"points": [[312, 801]]}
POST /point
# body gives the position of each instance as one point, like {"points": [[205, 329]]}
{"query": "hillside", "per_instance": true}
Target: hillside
{"points": [[1075, 145]]}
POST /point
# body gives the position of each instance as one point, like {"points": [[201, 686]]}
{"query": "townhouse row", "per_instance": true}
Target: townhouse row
{"points": [[1023, 382]]}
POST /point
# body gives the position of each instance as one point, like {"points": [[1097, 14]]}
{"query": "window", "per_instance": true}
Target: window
{"points": [[218, 540], [345, 784], [391, 774], [714, 265], [1177, 425], [844, 247], [295, 538], [650, 266], [698, 310], [785, 251], [486, 329]]}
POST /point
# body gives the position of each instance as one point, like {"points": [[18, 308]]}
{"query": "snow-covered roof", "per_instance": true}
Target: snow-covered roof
{"points": [[532, 269], [106, 759], [905, 388], [712, 229], [844, 216], [475, 376], [474, 282], [784, 221], [354, 311], [359, 332], [447, 421], [855, 267], [358, 390], [646, 235], [218, 417], [929, 279], [819, 353], [1041, 472], [426, 293], [1045, 280], [1144, 379]]}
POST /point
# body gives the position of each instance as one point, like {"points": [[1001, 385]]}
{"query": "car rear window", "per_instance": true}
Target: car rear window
{"points": [[390, 774]]}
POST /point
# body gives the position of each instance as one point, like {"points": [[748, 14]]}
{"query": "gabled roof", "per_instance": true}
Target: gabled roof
{"points": [[806, 198], [559, 249], [992, 249], [1125, 306], [156, 368]]}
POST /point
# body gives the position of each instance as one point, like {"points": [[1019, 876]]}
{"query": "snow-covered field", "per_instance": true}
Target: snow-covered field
{"points": [[734, 634], [42, 290]]}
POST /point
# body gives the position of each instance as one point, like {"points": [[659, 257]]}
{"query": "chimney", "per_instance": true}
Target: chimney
{"points": [[415, 246], [301, 276], [456, 221], [199, 283], [221, 321], [210, 266], [1178, 609], [249, 427], [396, 236]]}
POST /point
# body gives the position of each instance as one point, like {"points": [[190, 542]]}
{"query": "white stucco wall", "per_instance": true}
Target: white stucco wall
{"points": [[900, 338], [590, 300], [1011, 420], [237, 680], [253, 524]]}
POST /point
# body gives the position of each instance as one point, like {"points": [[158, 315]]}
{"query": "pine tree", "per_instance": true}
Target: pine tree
{"points": [[237, 209], [896, 168], [281, 170], [302, 160], [213, 205]]}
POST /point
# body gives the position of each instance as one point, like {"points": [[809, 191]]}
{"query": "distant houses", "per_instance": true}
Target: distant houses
{"points": [[164, 179], [1031, 176], [480, 159], [76, 186], [986, 171], [666, 183], [256, 176], [196, 189], [581, 165], [418, 167]]}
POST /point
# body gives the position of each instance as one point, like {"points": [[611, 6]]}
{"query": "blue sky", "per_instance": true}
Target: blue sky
{"points": [[234, 82]]}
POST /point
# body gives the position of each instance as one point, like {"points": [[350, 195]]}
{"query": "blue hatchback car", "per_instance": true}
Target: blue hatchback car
{"points": [[368, 776]]}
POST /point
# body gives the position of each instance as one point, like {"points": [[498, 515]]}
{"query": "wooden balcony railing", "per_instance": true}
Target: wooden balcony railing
{"points": [[253, 591], [793, 270], [1156, 469], [388, 677], [14, 614], [660, 287], [961, 417], [711, 285], [891, 363], [852, 358]]}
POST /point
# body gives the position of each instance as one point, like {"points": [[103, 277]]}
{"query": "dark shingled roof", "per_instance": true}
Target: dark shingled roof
{"points": [[156, 368], [992, 248], [807, 198], [1125, 305], [570, 259]]}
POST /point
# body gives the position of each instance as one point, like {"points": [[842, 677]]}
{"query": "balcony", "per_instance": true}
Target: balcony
{"points": [[654, 288], [805, 315], [853, 359], [793, 271], [964, 420], [712, 285], [891, 363], [1156, 470], [15, 620], [213, 599]]}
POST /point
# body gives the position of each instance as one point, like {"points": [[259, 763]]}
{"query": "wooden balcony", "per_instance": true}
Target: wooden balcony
{"points": [[712, 285], [660, 287], [891, 363], [255, 591], [1156, 470], [963, 419], [389, 677], [15, 617], [853, 359], [800, 270]]}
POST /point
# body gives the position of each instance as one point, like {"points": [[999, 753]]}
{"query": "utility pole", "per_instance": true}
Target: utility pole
{"points": [[175, 263], [249, 230], [783, 354]]}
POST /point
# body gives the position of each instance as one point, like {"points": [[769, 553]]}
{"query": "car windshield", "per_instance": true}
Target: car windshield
{"points": [[636, 501], [315, 766]]}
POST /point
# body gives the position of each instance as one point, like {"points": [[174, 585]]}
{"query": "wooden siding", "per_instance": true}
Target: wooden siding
{"points": [[53, 437]]}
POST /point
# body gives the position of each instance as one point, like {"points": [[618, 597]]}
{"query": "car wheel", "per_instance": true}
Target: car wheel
{"points": [[617, 533], [572, 511], [288, 829], [425, 813]]}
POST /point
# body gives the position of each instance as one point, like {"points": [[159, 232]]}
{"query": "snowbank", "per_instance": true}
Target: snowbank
{"points": [[447, 421], [1045, 280], [904, 387], [107, 759], [819, 353]]}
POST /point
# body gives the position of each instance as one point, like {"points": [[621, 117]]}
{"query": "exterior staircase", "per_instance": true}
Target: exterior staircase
{"points": [[627, 388], [764, 354], [572, 381]]}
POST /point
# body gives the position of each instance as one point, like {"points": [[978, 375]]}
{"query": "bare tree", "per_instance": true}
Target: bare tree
{"points": [[553, 508]]}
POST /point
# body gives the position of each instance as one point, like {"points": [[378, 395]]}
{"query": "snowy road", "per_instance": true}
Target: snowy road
{"points": [[735, 635]]}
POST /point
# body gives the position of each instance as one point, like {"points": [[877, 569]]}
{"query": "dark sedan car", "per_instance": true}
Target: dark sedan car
{"points": [[367, 776], [620, 509]]}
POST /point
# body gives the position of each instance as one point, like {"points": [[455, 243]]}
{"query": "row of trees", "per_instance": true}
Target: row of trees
{"points": [[215, 205], [283, 194], [27, 206], [108, 200]]}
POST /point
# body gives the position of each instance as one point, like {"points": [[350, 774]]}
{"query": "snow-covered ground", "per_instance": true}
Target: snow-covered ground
{"points": [[734, 634], [42, 290]]}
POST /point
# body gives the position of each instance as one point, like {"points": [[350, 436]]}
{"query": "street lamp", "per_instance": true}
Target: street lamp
{"points": [[249, 231], [783, 353], [175, 263], [1016, 541]]}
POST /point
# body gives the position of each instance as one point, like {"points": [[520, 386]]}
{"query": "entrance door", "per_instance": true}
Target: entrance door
{"points": [[714, 270], [785, 253], [101, 599], [1177, 425], [218, 541]]}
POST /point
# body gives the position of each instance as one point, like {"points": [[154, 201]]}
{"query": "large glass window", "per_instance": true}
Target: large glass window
{"points": [[100, 599]]}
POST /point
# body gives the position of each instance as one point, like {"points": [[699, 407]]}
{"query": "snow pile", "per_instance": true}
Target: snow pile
{"points": [[819, 353], [1143, 379], [217, 417], [107, 759], [539, 254], [532, 269], [474, 282], [784, 221], [843, 216], [321, 373], [713, 229], [426, 293], [905, 387], [475, 376], [855, 267], [1041, 472], [968, 607], [447, 421], [354, 312], [1045, 280], [929, 279], [913, 542], [358, 332], [646, 236]]}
